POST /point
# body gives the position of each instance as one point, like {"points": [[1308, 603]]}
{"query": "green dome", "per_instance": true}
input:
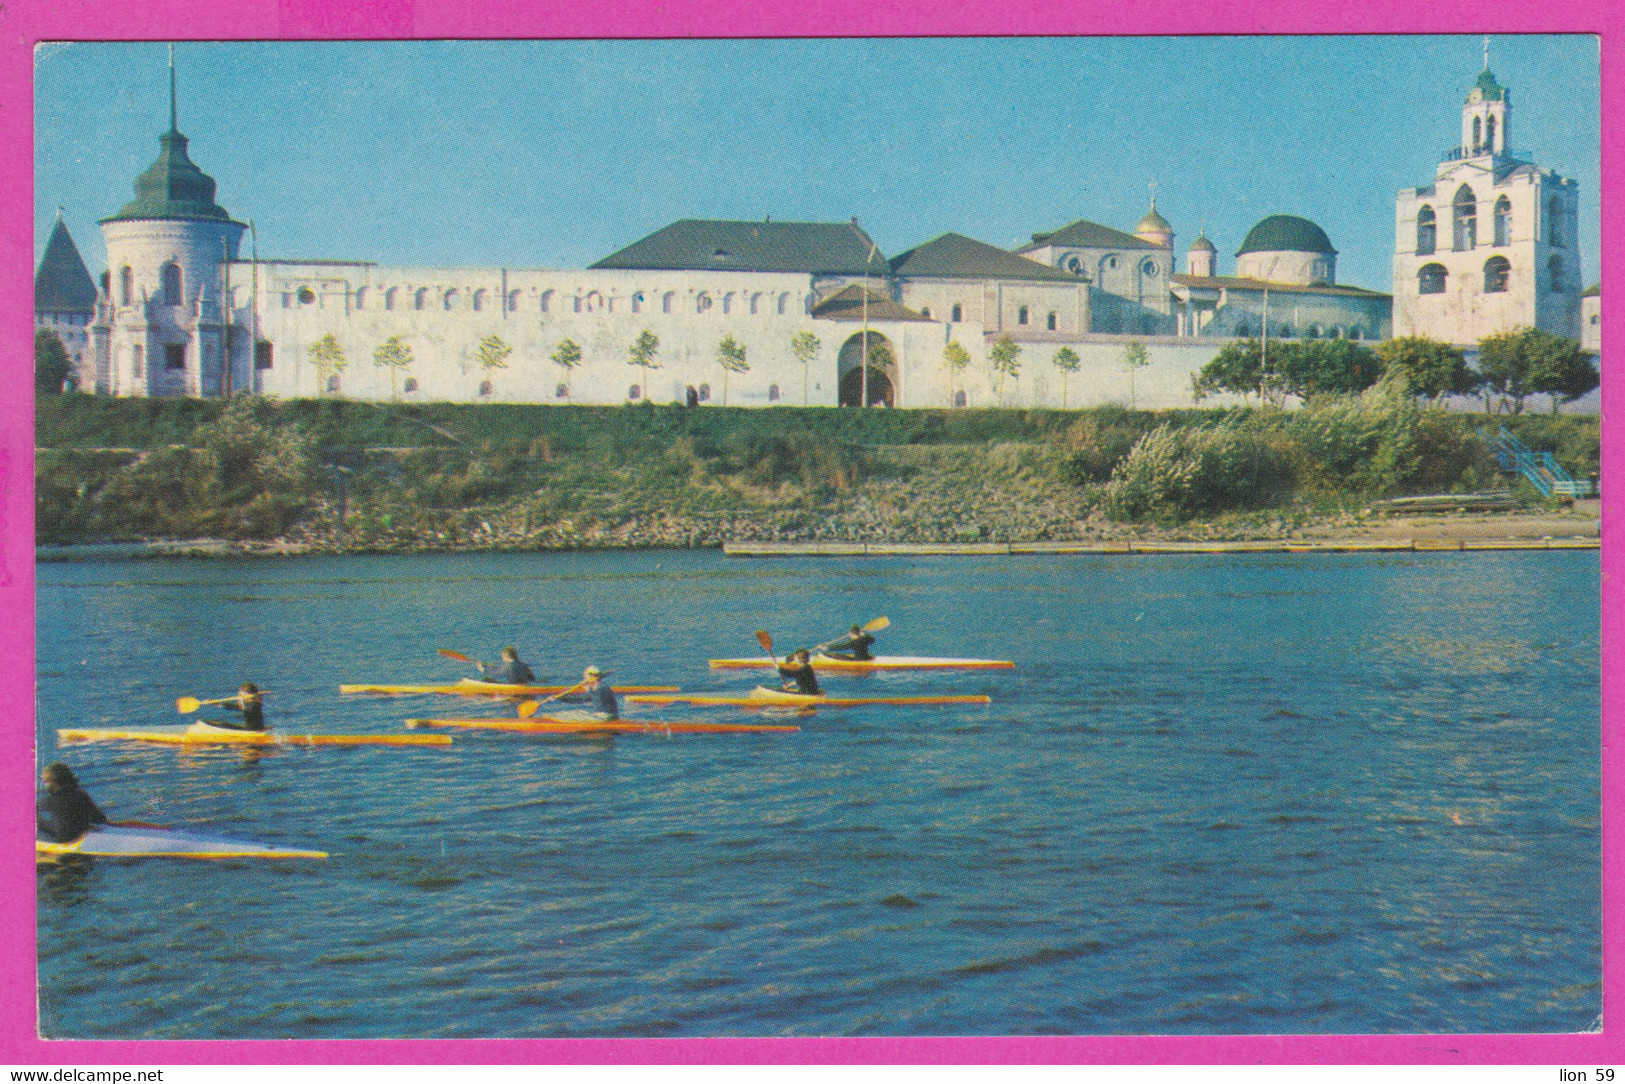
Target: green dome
{"points": [[1489, 90], [1202, 244], [1286, 233], [172, 187]]}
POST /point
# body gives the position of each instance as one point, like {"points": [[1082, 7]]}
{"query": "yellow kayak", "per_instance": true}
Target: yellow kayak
{"points": [[549, 725], [203, 734], [879, 662], [471, 687], [762, 697]]}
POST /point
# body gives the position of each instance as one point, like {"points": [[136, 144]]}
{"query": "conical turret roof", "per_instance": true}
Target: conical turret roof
{"points": [[172, 187], [62, 284]]}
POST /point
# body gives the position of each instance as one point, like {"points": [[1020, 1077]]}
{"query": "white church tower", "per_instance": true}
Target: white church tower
{"points": [[160, 324], [1493, 243]]}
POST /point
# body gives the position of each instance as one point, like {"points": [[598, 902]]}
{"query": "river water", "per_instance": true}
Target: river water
{"points": [[1219, 794]]}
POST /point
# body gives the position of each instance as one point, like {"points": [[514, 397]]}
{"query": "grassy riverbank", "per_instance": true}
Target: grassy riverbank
{"points": [[435, 476]]}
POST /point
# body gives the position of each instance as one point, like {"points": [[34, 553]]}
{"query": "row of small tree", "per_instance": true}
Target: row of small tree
{"points": [[328, 357], [1004, 361], [1512, 365]]}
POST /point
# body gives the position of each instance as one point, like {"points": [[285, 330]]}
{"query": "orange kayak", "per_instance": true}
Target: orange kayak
{"points": [[470, 687], [879, 662], [210, 735], [772, 698], [548, 725]]}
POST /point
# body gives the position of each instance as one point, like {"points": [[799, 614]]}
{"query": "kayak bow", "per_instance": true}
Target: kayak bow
{"points": [[202, 734], [879, 662], [146, 841], [472, 687], [549, 725], [760, 697]]}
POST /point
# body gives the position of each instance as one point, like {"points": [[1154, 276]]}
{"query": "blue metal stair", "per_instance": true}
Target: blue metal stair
{"points": [[1544, 473]]}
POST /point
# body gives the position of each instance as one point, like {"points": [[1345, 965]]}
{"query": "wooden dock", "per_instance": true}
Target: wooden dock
{"points": [[1000, 549]]}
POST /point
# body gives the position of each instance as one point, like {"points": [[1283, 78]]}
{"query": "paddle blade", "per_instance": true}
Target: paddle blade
{"points": [[458, 655], [877, 624], [188, 704], [529, 708], [765, 640]]}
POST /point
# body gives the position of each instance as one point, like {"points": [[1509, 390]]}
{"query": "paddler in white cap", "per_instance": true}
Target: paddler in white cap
{"points": [[602, 707]]}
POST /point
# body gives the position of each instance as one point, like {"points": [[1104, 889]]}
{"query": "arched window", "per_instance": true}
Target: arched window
{"points": [[637, 302], [137, 362], [479, 301], [389, 298], [1465, 217], [594, 301], [547, 300], [126, 287], [702, 303], [575, 303], [1073, 264], [958, 313], [361, 297], [420, 300], [1478, 133], [1432, 279], [411, 385], [1503, 222], [1148, 269], [1489, 133], [959, 398], [513, 300], [485, 387], [755, 304], [926, 312], [561, 391], [1050, 322], [452, 301], [172, 283], [727, 304], [333, 383], [666, 301], [784, 304], [1554, 269], [1554, 222], [1497, 275], [1021, 315], [634, 392], [772, 393], [1427, 231], [705, 393]]}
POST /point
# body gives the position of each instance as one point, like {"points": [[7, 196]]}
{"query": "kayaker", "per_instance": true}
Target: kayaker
{"points": [[796, 674], [510, 671], [248, 702], [602, 706], [854, 646], [65, 812]]}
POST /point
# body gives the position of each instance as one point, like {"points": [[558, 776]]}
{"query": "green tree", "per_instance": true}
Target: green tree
{"points": [[567, 356], [1308, 367], [1066, 359], [1432, 368], [1235, 368], [1135, 356], [1005, 358], [731, 356], [804, 345], [955, 359], [1527, 360], [642, 354], [394, 355], [328, 357], [50, 363], [493, 354]]}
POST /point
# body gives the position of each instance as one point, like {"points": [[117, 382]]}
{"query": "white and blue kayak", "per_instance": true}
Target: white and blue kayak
{"points": [[152, 841]]}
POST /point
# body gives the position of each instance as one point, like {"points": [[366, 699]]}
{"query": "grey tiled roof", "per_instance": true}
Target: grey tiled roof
{"points": [[62, 284], [697, 244], [847, 304], [1231, 282], [953, 256], [1086, 234]]}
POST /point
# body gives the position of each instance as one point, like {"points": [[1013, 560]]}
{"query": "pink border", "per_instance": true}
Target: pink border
{"points": [[24, 22]]}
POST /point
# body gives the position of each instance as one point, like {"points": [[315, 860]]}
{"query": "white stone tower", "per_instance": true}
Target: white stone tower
{"points": [[1199, 260], [1493, 243], [160, 327]]}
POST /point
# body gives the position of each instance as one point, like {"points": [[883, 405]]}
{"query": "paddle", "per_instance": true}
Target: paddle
{"points": [[188, 704], [767, 645], [458, 655], [876, 625], [531, 707]]}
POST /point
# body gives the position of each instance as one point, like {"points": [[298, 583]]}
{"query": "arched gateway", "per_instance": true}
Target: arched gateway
{"points": [[882, 364]]}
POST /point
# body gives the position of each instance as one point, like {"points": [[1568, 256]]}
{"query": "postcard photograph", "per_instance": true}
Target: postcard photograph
{"points": [[1067, 536]]}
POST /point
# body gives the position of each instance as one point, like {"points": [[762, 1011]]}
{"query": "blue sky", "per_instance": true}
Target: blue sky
{"points": [[554, 154]]}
